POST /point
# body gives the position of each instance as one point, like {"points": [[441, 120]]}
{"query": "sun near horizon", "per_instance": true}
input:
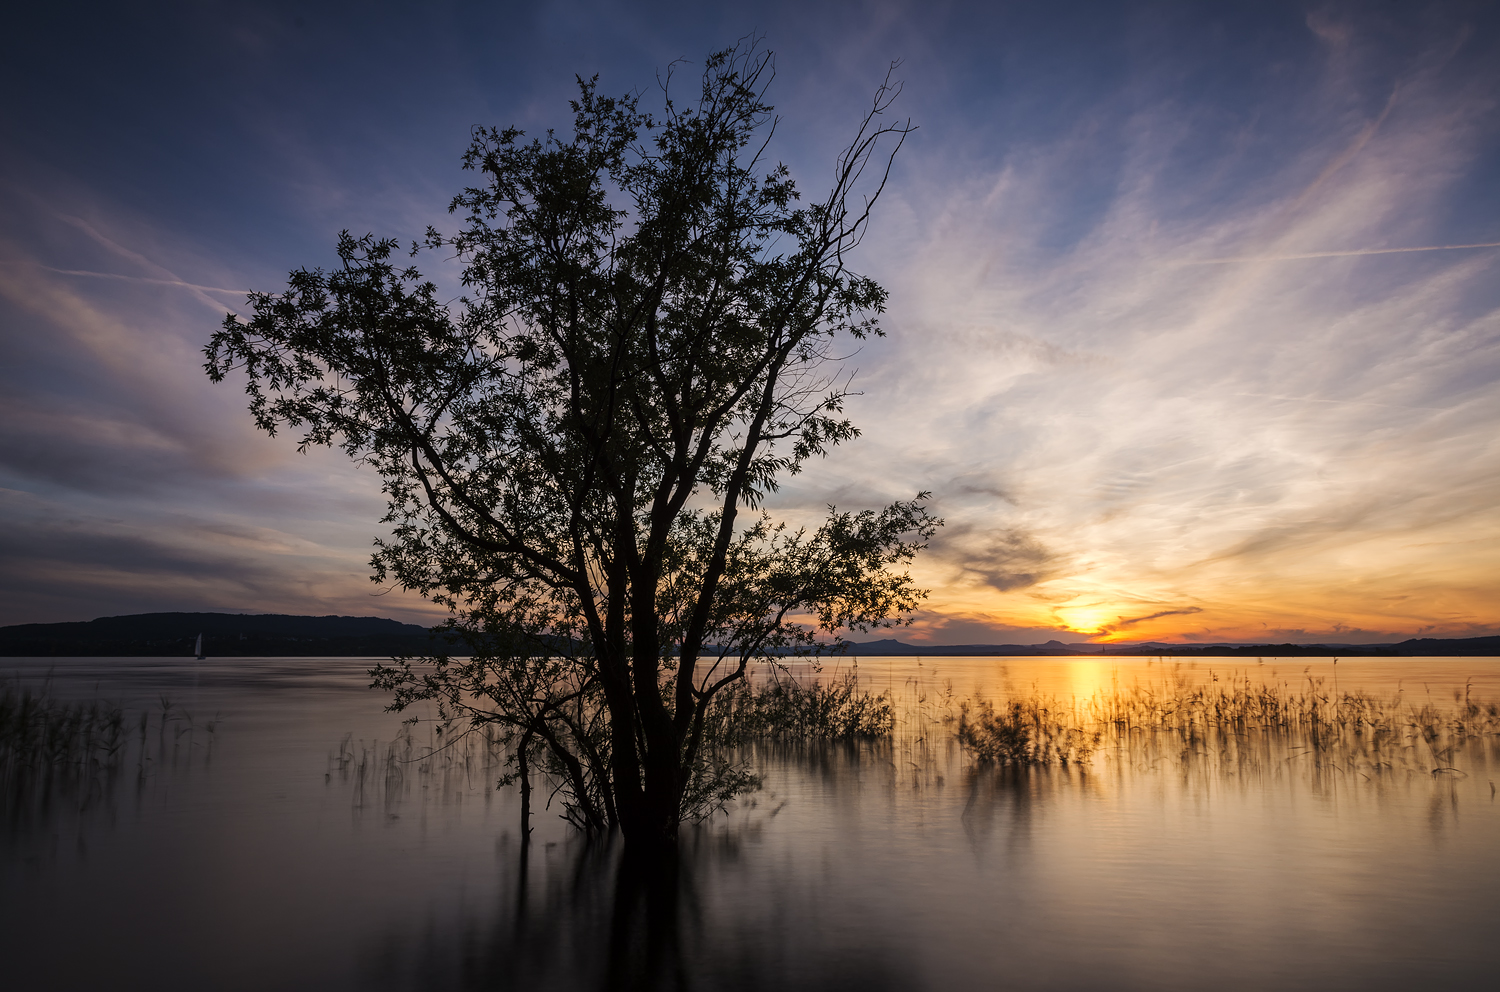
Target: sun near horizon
{"points": [[1192, 337]]}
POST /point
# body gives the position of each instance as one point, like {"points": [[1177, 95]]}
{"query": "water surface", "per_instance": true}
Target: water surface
{"points": [[269, 836]]}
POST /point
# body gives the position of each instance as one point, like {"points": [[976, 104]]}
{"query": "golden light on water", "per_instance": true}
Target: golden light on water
{"points": [[1090, 678]]}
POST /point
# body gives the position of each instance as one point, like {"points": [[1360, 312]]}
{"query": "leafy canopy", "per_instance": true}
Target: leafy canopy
{"points": [[642, 348]]}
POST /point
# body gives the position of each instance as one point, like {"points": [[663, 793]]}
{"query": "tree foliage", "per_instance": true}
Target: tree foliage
{"points": [[576, 451]]}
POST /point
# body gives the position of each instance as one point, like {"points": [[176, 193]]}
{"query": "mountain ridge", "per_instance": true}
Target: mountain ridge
{"points": [[281, 634], [224, 635]]}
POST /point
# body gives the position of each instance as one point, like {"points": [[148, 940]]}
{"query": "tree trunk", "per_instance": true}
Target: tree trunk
{"points": [[649, 811], [525, 774]]}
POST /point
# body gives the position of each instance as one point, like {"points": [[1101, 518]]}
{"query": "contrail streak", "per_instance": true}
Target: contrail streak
{"points": [[145, 279], [169, 278], [1334, 254]]}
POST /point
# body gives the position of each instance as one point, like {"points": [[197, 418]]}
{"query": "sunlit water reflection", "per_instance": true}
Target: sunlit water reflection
{"points": [[291, 846]]}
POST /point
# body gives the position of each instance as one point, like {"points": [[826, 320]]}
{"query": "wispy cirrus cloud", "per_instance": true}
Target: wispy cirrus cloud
{"points": [[1349, 253], [1195, 330], [127, 481], [1298, 435]]}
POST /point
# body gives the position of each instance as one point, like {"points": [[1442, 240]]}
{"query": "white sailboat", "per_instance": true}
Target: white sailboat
{"points": [[198, 650]]}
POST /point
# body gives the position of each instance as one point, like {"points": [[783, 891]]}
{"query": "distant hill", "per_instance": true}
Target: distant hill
{"points": [[224, 635], [280, 635]]}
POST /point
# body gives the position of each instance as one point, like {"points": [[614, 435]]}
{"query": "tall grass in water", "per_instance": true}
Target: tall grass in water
{"points": [[385, 774], [1237, 723], [781, 711], [56, 754], [789, 710], [1024, 732], [40, 735]]}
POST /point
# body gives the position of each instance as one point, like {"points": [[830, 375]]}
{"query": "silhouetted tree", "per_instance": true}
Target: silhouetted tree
{"points": [[569, 448]]}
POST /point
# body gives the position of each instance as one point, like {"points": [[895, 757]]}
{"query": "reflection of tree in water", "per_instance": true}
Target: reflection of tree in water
{"points": [[589, 918], [803, 904]]}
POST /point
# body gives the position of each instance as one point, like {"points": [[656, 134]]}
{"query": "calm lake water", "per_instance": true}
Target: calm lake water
{"points": [[272, 837]]}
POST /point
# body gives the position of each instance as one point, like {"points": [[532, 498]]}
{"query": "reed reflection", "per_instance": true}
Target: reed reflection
{"points": [[1242, 833], [66, 761]]}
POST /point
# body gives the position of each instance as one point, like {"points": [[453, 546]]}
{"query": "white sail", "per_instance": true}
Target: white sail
{"points": [[198, 650]]}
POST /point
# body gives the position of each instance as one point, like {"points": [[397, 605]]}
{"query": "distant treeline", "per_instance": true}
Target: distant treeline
{"points": [[1415, 647], [225, 635], [231, 635]]}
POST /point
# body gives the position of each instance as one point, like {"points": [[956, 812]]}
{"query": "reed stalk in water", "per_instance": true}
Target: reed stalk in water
{"points": [[57, 753], [1233, 718]]}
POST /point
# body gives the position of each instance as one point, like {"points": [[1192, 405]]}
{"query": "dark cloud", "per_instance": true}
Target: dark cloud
{"points": [[1131, 621], [48, 571], [933, 628], [97, 450], [976, 484], [60, 568], [1004, 559]]}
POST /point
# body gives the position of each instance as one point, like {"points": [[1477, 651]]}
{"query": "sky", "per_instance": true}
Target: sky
{"points": [[1178, 335]]}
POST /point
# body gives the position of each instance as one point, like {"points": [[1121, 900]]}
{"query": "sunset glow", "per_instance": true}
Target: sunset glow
{"points": [[1084, 619], [1193, 328]]}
